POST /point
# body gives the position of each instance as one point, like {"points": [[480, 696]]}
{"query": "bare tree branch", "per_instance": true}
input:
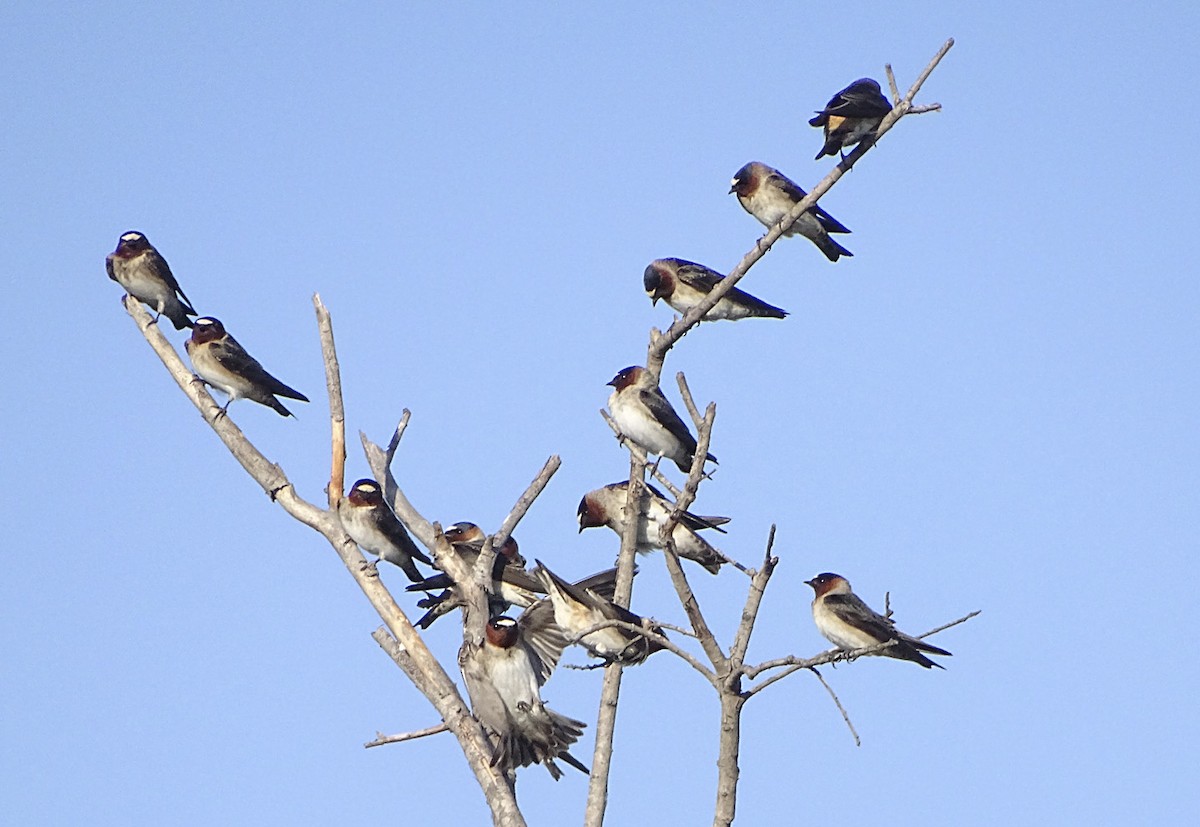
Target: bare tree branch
{"points": [[381, 739], [661, 640], [423, 669], [837, 702], [610, 689], [337, 409], [660, 343]]}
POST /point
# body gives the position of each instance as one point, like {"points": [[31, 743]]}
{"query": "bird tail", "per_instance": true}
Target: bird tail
{"points": [[278, 406], [831, 248], [179, 319]]}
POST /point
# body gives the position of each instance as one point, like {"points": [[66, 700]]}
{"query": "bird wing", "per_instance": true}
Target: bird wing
{"points": [[543, 640], [159, 267], [796, 194], [665, 415], [698, 276], [851, 609], [234, 358]]}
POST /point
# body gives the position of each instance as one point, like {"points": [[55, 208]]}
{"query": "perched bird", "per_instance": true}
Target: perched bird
{"points": [[511, 584], [503, 676], [849, 623], [577, 608], [370, 522], [684, 284], [143, 272], [769, 195], [851, 115], [220, 361], [606, 507], [645, 416]]}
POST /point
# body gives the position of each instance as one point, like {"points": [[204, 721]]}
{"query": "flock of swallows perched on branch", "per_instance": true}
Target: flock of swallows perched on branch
{"points": [[504, 676]]}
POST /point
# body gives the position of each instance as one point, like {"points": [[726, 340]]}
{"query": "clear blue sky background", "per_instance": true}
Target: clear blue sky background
{"points": [[992, 405]]}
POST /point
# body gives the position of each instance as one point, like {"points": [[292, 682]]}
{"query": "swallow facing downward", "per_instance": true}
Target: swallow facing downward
{"points": [[578, 608], [220, 361], [851, 115], [503, 676], [684, 284], [511, 584], [606, 506], [769, 195], [645, 416], [143, 272], [370, 523], [849, 623]]}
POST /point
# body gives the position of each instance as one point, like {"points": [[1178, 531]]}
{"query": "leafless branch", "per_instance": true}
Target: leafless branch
{"points": [[838, 703], [660, 343], [337, 409], [610, 689], [421, 667], [381, 739], [661, 640], [758, 585]]}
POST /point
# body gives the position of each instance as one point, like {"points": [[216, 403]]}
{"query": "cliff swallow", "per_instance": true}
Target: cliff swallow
{"points": [[503, 676], [220, 361], [851, 115], [578, 608], [769, 195], [371, 523], [645, 416], [849, 623], [684, 284], [606, 507], [511, 584], [143, 272]]}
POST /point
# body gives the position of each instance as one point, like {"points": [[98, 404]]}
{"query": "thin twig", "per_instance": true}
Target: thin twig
{"points": [[891, 79], [661, 640], [754, 596], [337, 408], [381, 739], [838, 703], [660, 343]]}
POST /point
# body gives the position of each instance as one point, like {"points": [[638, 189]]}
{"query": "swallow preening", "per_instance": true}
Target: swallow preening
{"points": [[224, 364], [578, 607], [511, 584], [503, 676], [645, 416], [849, 623], [851, 115], [606, 507], [143, 272], [769, 195], [684, 284], [371, 523]]}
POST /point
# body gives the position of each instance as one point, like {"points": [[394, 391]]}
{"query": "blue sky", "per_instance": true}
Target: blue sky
{"points": [[992, 405]]}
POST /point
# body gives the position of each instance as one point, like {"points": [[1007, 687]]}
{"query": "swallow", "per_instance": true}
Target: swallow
{"points": [[511, 584], [851, 115], [220, 361], [143, 272], [371, 523], [769, 195], [849, 623], [578, 608], [645, 416], [606, 507], [504, 675], [684, 284]]}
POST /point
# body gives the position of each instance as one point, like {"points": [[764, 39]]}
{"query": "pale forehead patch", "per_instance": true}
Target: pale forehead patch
{"points": [[132, 236], [205, 320], [504, 622], [366, 486]]}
